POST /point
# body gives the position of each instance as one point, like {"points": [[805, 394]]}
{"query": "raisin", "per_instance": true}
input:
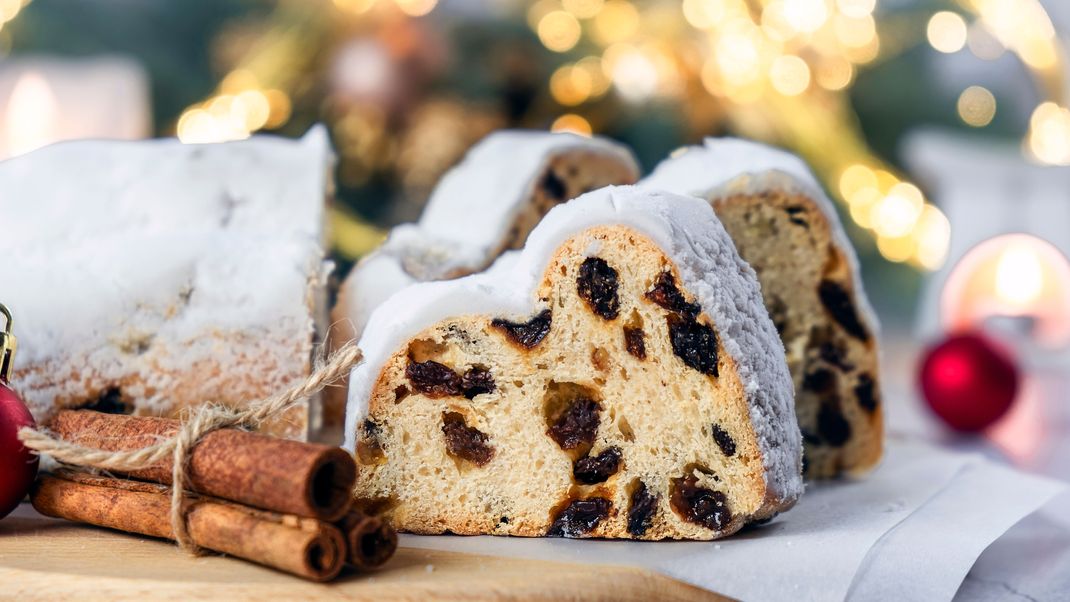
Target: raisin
{"points": [[597, 469], [433, 379], [553, 186], [778, 312], [597, 285], [865, 392], [829, 348], [833, 427], [577, 425], [793, 216], [526, 334], [465, 442], [477, 381], [694, 343], [580, 517], [110, 402], [810, 437], [724, 440], [641, 513], [819, 381], [666, 294], [635, 342], [838, 303], [700, 505]]}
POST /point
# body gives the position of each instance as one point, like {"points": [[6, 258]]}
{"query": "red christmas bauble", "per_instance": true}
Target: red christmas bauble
{"points": [[18, 467], [968, 381]]}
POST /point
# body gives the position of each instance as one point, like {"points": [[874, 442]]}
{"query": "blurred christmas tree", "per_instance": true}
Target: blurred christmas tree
{"points": [[407, 85]]}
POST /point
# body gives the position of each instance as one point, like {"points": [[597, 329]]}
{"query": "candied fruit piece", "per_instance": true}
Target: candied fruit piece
{"points": [[724, 440], [635, 342], [700, 505], [577, 425], [666, 294], [477, 381], [465, 442], [597, 285], [833, 427], [369, 448], [580, 517], [526, 334], [694, 343], [597, 469], [641, 513], [838, 303], [433, 379]]}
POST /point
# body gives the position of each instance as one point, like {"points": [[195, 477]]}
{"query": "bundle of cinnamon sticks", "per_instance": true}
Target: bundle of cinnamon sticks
{"points": [[280, 503]]}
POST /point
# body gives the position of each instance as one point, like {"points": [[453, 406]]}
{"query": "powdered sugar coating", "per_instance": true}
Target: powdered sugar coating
{"points": [[710, 268], [470, 211], [164, 267], [749, 167]]}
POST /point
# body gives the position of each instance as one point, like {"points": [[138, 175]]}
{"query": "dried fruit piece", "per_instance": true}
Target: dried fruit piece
{"points": [[819, 381], [866, 393], [477, 381], [553, 186], [838, 303], [641, 513], [597, 469], [597, 285], [700, 505], [465, 442], [635, 342], [580, 517], [666, 294], [778, 312], [526, 334], [577, 425], [833, 427], [794, 215], [369, 448], [694, 343], [433, 379], [723, 439]]}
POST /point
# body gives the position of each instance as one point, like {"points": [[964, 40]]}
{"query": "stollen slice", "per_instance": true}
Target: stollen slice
{"points": [[786, 228], [617, 378]]}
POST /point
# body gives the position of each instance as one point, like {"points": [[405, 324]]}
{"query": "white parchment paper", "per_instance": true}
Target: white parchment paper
{"points": [[815, 551], [927, 556]]}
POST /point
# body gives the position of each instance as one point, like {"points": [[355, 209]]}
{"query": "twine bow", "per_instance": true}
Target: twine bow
{"points": [[204, 419]]}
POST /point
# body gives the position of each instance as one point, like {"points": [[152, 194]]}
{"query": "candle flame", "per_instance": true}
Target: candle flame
{"points": [[30, 120], [1019, 276]]}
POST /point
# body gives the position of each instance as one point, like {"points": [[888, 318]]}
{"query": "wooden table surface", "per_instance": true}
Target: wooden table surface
{"points": [[47, 559]]}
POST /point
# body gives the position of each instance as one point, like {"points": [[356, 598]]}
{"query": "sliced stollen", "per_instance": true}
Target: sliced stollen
{"points": [[485, 205], [788, 231], [146, 277], [619, 377]]}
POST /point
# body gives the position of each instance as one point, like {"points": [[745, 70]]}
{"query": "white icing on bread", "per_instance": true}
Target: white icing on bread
{"points": [[172, 273]]}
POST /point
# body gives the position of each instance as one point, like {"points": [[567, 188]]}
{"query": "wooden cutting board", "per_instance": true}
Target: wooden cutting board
{"points": [[46, 559]]}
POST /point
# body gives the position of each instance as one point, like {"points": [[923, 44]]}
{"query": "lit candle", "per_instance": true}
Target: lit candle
{"points": [[45, 100]]}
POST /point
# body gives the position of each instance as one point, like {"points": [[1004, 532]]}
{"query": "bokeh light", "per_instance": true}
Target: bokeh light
{"points": [[946, 31], [976, 106]]}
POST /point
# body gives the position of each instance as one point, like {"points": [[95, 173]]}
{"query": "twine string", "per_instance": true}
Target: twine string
{"points": [[203, 420]]}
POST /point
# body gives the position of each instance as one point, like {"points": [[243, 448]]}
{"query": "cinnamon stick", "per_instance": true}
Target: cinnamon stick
{"points": [[291, 477], [370, 541], [304, 547]]}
